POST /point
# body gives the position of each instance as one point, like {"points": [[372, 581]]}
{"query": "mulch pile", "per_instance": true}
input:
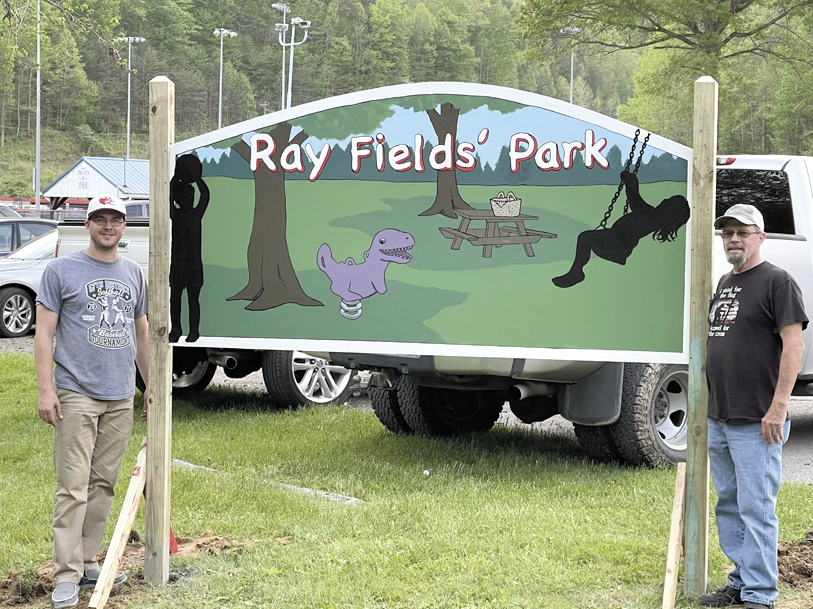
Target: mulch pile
{"points": [[796, 562], [18, 591]]}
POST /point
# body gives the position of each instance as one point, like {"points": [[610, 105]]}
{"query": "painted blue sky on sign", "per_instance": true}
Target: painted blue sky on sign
{"points": [[400, 128]]}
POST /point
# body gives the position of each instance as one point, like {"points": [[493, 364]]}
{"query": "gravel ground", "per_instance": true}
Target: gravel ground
{"points": [[797, 454]]}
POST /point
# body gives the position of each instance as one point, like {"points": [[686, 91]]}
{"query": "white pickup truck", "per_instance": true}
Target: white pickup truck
{"points": [[635, 413]]}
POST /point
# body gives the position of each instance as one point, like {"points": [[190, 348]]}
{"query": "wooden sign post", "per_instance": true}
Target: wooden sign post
{"points": [[697, 462], [159, 405]]}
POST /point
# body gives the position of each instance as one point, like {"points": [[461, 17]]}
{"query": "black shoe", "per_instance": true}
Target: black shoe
{"points": [[753, 605], [724, 597]]}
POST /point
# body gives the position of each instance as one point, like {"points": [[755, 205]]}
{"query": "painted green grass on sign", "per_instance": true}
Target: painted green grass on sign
{"points": [[449, 296]]}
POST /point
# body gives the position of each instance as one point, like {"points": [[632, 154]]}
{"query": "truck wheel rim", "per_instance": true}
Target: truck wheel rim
{"points": [[183, 380], [317, 379], [17, 314], [670, 410]]}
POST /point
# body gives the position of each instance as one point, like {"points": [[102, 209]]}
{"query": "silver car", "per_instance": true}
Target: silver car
{"points": [[20, 275]]}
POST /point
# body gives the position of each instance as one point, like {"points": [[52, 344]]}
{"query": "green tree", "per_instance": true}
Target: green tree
{"points": [[494, 44], [790, 112], [661, 103], [422, 46], [699, 32], [239, 102], [388, 43], [456, 59], [69, 97], [6, 84]]}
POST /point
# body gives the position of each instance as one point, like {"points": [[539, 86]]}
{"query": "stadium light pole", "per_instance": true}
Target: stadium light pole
{"points": [[222, 33], [129, 40], [571, 31], [38, 155], [282, 29]]}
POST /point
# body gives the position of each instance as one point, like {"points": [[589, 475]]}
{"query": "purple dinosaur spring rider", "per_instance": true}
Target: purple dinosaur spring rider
{"points": [[353, 281]]}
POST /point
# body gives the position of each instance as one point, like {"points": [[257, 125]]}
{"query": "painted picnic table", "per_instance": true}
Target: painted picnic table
{"points": [[499, 231]]}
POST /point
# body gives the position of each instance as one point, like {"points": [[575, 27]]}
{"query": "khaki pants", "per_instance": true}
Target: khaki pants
{"points": [[89, 445]]}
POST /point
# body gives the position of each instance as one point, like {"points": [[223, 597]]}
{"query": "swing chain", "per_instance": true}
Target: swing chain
{"points": [[637, 165], [641, 154], [609, 212]]}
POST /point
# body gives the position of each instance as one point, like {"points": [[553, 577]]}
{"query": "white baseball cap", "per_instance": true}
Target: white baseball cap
{"points": [[747, 214], [103, 202]]}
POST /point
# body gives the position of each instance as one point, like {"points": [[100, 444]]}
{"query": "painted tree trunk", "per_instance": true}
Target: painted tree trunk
{"points": [[271, 278], [448, 196]]}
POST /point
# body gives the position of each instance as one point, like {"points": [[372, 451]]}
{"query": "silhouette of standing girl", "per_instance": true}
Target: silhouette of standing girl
{"points": [[186, 266], [617, 243]]}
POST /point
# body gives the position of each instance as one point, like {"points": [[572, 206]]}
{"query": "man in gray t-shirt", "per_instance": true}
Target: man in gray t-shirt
{"points": [[94, 303]]}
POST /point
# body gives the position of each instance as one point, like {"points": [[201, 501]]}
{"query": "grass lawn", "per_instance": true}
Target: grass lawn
{"points": [[505, 519]]}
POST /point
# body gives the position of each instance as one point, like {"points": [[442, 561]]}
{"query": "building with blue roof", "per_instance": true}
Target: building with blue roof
{"points": [[92, 176]]}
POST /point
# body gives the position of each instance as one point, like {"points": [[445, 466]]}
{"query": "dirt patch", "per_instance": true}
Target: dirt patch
{"points": [[22, 589], [208, 543], [796, 562]]}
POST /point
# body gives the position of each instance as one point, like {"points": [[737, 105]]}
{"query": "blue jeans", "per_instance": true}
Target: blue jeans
{"points": [[747, 472]]}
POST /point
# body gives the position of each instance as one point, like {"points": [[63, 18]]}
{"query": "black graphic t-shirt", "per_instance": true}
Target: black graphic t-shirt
{"points": [[744, 346]]}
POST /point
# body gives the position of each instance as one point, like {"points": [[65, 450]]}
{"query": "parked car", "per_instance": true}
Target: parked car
{"points": [[16, 232], [20, 275], [7, 212], [137, 209]]}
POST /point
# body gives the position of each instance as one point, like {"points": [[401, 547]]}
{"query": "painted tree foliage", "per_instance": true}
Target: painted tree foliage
{"points": [[271, 278]]}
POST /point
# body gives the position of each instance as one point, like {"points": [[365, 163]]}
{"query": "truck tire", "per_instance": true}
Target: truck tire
{"points": [[388, 409], [16, 312], [598, 443], [293, 379], [188, 377], [433, 411], [652, 428]]}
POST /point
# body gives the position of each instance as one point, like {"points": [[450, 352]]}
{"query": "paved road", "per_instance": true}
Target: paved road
{"points": [[798, 453], [797, 456]]}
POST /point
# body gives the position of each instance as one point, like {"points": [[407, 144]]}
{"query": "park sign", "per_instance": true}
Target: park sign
{"points": [[433, 219]]}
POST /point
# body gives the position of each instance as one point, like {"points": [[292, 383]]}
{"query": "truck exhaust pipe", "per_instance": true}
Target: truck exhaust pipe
{"points": [[530, 389], [224, 359]]}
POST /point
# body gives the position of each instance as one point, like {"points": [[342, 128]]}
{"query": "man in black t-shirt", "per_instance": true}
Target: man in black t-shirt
{"points": [[754, 351]]}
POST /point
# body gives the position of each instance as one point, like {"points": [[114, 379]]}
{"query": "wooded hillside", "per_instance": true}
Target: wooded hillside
{"points": [[360, 44]]}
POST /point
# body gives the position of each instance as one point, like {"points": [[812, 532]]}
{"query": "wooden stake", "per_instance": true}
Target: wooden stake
{"points": [[159, 405], [697, 461], [675, 539], [118, 543]]}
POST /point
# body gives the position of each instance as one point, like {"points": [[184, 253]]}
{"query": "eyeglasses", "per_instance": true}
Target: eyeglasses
{"points": [[101, 221], [742, 234]]}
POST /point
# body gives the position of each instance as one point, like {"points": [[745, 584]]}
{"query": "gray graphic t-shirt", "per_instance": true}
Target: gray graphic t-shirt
{"points": [[97, 304]]}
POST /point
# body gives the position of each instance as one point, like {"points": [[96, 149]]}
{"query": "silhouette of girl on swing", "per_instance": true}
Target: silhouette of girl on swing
{"points": [[617, 242]]}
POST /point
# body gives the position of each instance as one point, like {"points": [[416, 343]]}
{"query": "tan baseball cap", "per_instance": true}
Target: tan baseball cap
{"points": [[747, 214]]}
